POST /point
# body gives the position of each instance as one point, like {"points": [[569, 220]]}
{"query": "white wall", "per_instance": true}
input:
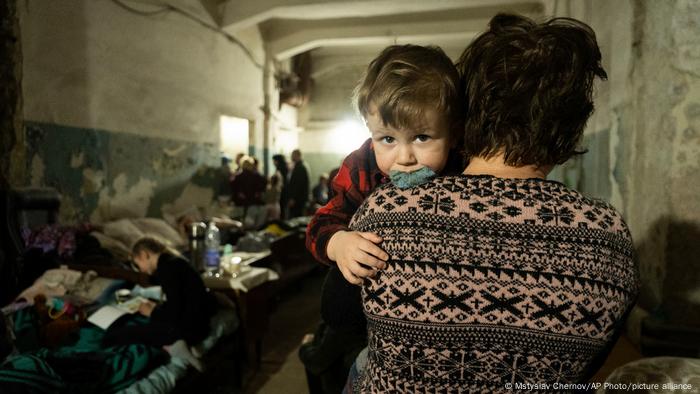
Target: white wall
{"points": [[123, 110], [93, 64]]}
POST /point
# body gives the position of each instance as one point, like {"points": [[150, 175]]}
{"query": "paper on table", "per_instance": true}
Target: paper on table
{"points": [[132, 305], [105, 316]]}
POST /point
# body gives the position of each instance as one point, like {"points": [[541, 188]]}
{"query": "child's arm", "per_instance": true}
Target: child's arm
{"points": [[357, 254], [356, 179]]}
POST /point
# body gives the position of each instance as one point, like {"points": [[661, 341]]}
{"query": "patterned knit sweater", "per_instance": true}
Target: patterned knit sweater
{"points": [[493, 282]]}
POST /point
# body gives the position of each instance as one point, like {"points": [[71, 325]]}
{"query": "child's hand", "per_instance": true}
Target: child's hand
{"points": [[351, 250], [308, 338], [146, 308]]}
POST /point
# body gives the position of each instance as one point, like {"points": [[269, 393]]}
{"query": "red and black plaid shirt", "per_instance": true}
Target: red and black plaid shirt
{"points": [[358, 176]]}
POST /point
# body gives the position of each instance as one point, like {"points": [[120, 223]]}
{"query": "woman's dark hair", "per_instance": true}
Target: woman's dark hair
{"points": [[528, 89], [280, 163]]}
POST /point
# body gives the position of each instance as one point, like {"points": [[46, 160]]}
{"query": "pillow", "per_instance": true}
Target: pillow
{"points": [[160, 229], [114, 246], [124, 231]]}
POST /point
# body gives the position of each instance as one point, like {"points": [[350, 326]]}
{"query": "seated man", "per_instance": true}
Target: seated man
{"points": [[498, 276]]}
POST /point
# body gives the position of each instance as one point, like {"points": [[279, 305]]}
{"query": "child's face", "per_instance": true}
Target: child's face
{"points": [[408, 150]]}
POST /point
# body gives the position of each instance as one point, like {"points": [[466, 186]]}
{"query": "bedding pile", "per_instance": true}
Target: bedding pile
{"points": [[81, 367]]}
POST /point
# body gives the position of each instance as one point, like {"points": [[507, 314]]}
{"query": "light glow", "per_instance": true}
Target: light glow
{"points": [[235, 135], [346, 137], [287, 141]]}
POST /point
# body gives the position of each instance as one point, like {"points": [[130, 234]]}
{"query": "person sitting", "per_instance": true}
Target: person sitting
{"points": [[320, 191], [182, 320], [498, 276]]}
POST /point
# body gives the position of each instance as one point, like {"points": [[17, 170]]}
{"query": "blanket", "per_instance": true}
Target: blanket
{"points": [[81, 367]]}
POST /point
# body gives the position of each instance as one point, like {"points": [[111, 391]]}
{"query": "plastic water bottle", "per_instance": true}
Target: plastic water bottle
{"points": [[212, 240]]}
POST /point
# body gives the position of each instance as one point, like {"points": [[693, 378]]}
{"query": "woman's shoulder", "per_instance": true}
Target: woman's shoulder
{"points": [[517, 201], [592, 212]]}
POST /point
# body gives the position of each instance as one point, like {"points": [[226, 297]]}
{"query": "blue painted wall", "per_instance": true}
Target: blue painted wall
{"points": [[63, 157]]}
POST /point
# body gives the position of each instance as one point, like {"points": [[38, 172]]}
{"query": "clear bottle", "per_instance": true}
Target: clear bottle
{"points": [[212, 240]]}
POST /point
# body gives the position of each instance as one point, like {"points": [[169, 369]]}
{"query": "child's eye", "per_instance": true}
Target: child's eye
{"points": [[388, 140], [422, 138]]}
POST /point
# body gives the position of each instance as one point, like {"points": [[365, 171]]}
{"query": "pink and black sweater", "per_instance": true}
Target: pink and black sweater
{"points": [[493, 282]]}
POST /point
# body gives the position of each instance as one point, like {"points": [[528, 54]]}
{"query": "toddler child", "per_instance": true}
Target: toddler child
{"points": [[411, 101]]}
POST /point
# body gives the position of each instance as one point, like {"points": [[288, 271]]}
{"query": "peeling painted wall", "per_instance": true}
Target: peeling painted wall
{"points": [[103, 175], [122, 110], [644, 142]]}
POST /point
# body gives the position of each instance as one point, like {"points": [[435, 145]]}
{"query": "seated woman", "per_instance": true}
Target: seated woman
{"points": [[499, 277], [183, 319]]}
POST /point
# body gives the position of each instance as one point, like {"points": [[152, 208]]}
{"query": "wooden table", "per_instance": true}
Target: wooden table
{"points": [[251, 292]]}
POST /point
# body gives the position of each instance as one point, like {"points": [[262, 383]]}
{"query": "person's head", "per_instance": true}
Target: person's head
{"points": [[280, 162], [239, 156], [323, 179], [412, 103], [145, 254], [247, 163], [528, 89], [296, 155]]}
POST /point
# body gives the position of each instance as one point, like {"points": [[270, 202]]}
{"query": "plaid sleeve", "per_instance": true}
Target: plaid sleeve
{"points": [[351, 186]]}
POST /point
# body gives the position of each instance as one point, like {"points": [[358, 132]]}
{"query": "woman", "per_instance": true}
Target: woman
{"points": [[282, 168], [499, 277], [272, 198], [183, 319]]}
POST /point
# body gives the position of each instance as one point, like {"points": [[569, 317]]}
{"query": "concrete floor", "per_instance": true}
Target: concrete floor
{"points": [[297, 312], [622, 353]]}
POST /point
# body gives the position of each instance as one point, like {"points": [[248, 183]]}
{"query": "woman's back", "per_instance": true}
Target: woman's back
{"points": [[493, 282]]}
